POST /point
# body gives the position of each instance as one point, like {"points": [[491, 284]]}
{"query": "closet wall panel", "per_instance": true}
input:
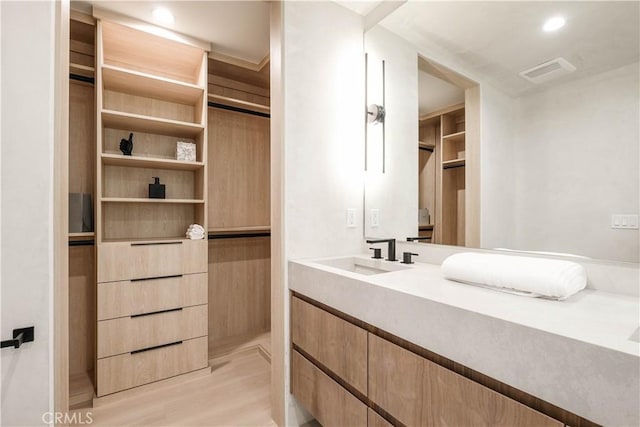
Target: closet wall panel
{"points": [[81, 137], [82, 315]]}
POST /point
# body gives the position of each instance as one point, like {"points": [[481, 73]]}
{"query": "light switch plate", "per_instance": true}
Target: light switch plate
{"points": [[374, 217], [351, 218], [625, 222]]}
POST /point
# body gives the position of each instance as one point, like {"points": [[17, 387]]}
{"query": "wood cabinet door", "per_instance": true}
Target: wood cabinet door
{"points": [[418, 392]]}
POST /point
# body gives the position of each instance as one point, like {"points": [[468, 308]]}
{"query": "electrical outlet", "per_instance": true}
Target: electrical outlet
{"points": [[374, 217], [627, 222], [351, 218]]}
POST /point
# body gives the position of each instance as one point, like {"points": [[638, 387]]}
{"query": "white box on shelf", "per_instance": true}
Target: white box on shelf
{"points": [[186, 151]]}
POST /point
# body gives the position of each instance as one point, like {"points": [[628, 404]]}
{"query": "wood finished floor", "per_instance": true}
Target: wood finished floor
{"points": [[235, 394]]}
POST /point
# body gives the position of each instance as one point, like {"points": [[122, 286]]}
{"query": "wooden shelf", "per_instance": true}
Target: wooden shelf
{"points": [[425, 226], [142, 84], [426, 145], [139, 123], [239, 103], [143, 200], [454, 137], [149, 162], [239, 230], [453, 163], [81, 70], [148, 240]]}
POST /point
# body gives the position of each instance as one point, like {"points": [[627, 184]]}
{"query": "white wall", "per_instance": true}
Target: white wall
{"points": [[395, 192], [27, 55], [576, 164], [323, 78]]}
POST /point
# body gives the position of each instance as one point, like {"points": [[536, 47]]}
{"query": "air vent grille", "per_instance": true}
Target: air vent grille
{"points": [[548, 70]]}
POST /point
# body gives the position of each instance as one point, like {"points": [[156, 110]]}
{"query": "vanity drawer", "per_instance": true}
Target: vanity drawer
{"points": [[125, 334], [417, 391], [139, 260], [133, 369], [333, 342], [120, 299], [327, 401]]}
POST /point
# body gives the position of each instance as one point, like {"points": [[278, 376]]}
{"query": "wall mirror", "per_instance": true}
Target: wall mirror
{"points": [[505, 128]]}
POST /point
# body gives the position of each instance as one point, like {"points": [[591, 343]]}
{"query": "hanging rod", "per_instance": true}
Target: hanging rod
{"points": [[426, 149], [90, 242], [238, 109], [80, 78], [212, 236]]}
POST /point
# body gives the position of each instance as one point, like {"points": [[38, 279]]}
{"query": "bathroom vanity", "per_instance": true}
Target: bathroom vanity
{"points": [[378, 343]]}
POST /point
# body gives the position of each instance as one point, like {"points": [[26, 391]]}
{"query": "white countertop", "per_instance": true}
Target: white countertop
{"points": [[536, 345]]}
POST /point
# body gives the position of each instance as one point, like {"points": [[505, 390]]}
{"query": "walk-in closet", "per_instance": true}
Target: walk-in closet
{"points": [[164, 132]]}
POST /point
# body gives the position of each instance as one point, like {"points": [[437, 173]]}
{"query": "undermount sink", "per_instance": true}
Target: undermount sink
{"points": [[364, 266]]}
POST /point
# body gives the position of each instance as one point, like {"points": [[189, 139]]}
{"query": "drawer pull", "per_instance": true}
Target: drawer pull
{"points": [[156, 347], [156, 278], [156, 312], [156, 243]]}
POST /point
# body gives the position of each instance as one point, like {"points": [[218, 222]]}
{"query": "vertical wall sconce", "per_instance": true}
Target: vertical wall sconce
{"points": [[375, 113]]}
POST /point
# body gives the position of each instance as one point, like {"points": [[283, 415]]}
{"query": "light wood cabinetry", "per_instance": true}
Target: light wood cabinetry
{"points": [[152, 297], [403, 383]]}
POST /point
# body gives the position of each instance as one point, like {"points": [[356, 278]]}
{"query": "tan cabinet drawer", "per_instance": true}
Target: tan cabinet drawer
{"points": [[327, 401], [138, 260], [120, 299], [335, 343], [131, 370], [418, 392], [125, 334], [375, 420]]}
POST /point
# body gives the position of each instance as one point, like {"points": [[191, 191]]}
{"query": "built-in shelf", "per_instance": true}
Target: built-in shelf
{"points": [[225, 100], [149, 162], [139, 123], [81, 70], [142, 84], [452, 163], [423, 227], [454, 137], [145, 200], [426, 145], [142, 241], [229, 230]]}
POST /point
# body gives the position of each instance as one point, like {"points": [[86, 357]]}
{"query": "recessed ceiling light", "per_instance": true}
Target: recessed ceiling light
{"points": [[553, 24], [162, 15]]}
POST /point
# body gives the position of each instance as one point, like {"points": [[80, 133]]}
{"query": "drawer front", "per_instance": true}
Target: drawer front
{"points": [[120, 299], [131, 370], [418, 392], [129, 260], [125, 334], [324, 398], [375, 420], [335, 343]]}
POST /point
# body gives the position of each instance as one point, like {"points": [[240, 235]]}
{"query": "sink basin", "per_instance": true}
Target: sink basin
{"points": [[364, 266]]}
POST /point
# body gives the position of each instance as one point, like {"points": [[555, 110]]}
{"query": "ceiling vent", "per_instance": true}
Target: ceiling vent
{"points": [[548, 70]]}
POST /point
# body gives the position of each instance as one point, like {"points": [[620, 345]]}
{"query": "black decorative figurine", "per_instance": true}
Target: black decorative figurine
{"points": [[126, 146]]}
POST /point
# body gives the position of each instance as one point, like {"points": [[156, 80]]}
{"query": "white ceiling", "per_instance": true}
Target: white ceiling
{"points": [[497, 40], [235, 28], [435, 94]]}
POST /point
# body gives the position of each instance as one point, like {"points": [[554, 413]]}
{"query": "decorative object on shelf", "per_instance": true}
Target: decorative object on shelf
{"points": [[156, 190], [185, 151], [423, 216], [80, 213], [195, 232], [126, 145]]}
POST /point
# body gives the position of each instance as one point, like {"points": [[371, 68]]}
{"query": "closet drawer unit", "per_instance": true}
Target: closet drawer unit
{"points": [[333, 342], [131, 297], [375, 420], [133, 369], [417, 391], [327, 401], [139, 260], [125, 334]]}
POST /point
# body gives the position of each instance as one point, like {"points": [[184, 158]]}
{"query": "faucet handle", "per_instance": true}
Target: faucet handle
{"points": [[406, 258], [377, 253]]}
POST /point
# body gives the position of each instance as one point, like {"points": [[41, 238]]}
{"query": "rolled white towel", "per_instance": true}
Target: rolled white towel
{"points": [[550, 278], [195, 232], [196, 227]]}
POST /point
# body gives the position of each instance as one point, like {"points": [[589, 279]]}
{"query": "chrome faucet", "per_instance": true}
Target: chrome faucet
{"points": [[391, 251]]}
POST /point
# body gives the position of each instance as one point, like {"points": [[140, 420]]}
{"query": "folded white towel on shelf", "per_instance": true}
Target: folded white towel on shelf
{"points": [[535, 277], [195, 232]]}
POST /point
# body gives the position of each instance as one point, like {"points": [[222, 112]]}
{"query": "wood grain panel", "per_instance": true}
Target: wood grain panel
{"points": [[375, 420], [82, 136], [335, 343], [125, 334], [239, 287], [238, 168], [133, 182], [130, 370], [119, 261], [82, 312], [453, 213], [329, 403], [148, 106], [419, 392], [141, 220], [146, 144], [120, 299]]}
